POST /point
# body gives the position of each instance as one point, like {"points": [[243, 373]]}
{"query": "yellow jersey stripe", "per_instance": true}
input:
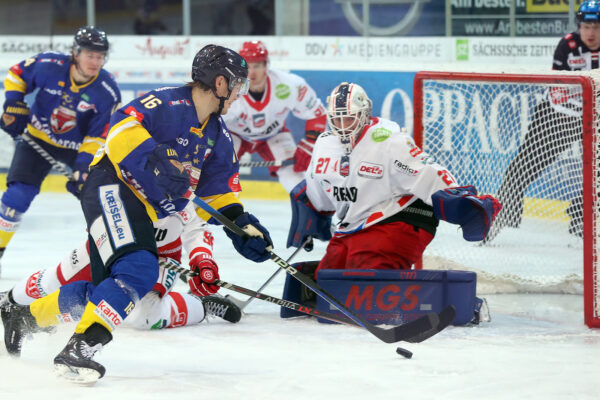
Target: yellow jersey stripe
{"points": [[91, 145], [36, 133], [218, 201], [15, 83]]}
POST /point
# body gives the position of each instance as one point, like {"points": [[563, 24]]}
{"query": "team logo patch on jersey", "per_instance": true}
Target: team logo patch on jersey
{"points": [[33, 288], [380, 134], [576, 62], [405, 169], [234, 183], [108, 314], [180, 102], [345, 166], [115, 215], [84, 106], [196, 131], [134, 113], [370, 170], [63, 120], [16, 69], [258, 120], [302, 92], [282, 91]]}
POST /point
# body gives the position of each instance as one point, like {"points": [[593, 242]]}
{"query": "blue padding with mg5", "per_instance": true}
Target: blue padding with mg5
{"points": [[395, 297]]}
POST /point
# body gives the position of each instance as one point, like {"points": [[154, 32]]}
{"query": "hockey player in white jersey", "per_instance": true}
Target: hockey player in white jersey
{"points": [[161, 307], [386, 192], [257, 120]]}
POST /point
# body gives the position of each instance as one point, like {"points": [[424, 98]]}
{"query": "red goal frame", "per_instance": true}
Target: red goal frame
{"points": [[590, 257]]}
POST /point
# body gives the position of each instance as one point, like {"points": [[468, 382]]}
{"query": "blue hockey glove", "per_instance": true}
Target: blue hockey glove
{"points": [[306, 221], [256, 247], [80, 174], [15, 117], [461, 205]]}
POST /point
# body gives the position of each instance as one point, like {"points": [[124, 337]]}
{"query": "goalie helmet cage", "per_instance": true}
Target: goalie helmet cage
{"points": [[475, 124]]}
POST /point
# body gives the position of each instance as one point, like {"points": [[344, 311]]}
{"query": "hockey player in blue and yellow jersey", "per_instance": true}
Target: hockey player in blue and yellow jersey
{"points": [[68, 118], [159, 146]]}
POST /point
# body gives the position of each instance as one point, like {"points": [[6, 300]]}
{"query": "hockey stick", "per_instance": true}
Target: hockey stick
{"points": [[277, 271], [425, 326], [446, 316], [57, 165], [187, 274], [274, 163]]}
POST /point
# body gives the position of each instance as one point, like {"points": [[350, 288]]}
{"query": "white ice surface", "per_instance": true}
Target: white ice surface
{"points": [[536, 346]]}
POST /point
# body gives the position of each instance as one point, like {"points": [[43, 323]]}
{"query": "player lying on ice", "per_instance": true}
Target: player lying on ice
{"points": [[156, 145], [386, 192], [161, 307]]}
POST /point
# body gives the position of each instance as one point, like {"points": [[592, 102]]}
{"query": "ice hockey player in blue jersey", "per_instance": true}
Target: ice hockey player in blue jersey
{"points": [[68, 118], [159, 146]]}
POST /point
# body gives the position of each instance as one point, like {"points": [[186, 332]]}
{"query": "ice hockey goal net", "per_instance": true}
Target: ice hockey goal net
{"points": [[531, 140]]}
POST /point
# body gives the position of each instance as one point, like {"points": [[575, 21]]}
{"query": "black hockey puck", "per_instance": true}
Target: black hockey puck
{"points": [[403, 352]]}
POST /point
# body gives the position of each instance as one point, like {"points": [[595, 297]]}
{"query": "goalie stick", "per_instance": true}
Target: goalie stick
{"points": [[274, 163], [425, 326], [47, 156], [409, 329]]}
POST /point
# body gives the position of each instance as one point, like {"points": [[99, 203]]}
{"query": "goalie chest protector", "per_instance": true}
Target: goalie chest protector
{"points": [[397, 296]]}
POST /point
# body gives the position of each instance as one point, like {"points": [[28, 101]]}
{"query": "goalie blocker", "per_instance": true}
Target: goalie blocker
{"points": [[389, 296]]}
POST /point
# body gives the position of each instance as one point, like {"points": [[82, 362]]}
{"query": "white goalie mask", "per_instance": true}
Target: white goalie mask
{"points": [[348, 111]]}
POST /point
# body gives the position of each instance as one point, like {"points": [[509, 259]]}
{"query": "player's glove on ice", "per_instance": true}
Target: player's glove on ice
{"points": [[256, 245], [209, 273], [15, 117]]}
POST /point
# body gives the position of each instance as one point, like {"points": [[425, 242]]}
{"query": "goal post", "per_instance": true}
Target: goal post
{"points": [[531, 140]]}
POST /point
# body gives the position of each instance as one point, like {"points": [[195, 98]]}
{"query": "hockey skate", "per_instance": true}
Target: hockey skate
{"points": [[222, 307], [75, 362], [18, 323]]}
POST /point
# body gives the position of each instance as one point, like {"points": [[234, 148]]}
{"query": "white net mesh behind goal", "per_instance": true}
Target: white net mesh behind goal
{"points": [[519, 138]]}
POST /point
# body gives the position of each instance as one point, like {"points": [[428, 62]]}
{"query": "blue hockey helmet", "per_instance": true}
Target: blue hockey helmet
{"points": [[589, 11], [212, 61], [91, 38]]}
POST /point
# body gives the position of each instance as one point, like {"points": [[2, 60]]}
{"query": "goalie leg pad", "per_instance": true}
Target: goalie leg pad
{"points": [[296, 292], [306, 221], [394, 297]]}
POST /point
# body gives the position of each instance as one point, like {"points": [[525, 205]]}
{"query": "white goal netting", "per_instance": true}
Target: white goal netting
{"points": [[522, 139]]}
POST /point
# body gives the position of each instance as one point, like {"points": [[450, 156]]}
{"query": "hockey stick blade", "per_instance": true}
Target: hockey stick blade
{"points": [[446, 317], [389, 335], [406, 332]]}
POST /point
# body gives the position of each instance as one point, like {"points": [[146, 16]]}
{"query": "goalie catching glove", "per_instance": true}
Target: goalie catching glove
{"points": [[461, 205]]}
